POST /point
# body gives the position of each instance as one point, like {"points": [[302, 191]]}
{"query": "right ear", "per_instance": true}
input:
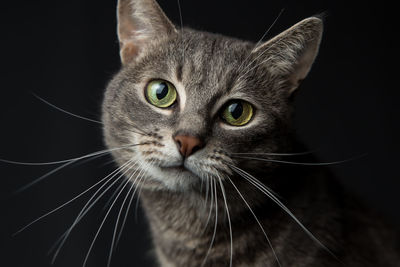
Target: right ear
{"points": [[139, 23]]}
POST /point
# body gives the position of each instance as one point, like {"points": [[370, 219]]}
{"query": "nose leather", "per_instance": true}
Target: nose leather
{"points": [[188, 144]]}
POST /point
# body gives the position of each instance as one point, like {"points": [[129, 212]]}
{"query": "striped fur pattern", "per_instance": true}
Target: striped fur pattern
{"points": [[222, 209]]}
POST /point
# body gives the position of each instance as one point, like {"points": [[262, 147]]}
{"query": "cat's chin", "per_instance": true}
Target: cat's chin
{"points": [[177, 178], [179, 169]]}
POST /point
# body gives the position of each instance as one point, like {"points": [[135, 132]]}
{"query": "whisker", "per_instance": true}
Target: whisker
{"points": [[248, 69], [229, 218], [25, 187], [108, 162], [89, 204], [84, 161], [113, 195], [215, 225], [140, 131], [270, 27], [207, 191], [258, 222], [125, 218], [65, 111], [303, 163], [262, 38], [110, 176], [113, 244], [140, 174], [211, 202], [103, 221], [61, 206], [201, 185], [70, 162], [100, 152], [277, 154], [116, 224], [181, 20], [255, 182], [138, 199]]}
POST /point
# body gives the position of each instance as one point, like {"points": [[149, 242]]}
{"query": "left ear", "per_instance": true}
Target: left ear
{"points": [[140, 22], [292, 52]]}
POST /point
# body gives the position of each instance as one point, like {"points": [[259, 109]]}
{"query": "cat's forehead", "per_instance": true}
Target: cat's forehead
{"points": [[205, 66], [208, 65]]}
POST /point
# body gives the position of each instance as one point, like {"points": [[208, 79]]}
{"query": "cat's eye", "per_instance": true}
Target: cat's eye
{"points": [[161, 93], [237, 113]]}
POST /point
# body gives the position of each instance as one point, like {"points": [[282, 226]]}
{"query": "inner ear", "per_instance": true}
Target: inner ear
{"points": [[140, 22], [303, 65], [292, 53]]}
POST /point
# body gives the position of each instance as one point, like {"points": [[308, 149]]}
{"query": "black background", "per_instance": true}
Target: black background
{"points": [[66, 51]]}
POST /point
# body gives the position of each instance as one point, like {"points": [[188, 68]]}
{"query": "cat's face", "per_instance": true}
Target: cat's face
{"points": [[187, 101]]}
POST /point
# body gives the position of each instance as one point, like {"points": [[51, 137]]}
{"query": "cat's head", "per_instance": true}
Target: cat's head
{"points": [[187, 101]]}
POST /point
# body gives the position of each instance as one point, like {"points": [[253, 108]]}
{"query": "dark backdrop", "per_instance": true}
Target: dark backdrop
{"points": [[66, 51]]}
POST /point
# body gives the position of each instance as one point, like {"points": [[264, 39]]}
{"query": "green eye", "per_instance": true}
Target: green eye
{"points": [[237, 113], [161, 93]]}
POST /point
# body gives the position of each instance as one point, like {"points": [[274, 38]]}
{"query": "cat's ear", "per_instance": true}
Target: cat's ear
{"points": [[140, 22], [292, 53]]}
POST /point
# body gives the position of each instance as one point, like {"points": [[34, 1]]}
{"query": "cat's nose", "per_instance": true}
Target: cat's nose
{"points": [[188, 145]]}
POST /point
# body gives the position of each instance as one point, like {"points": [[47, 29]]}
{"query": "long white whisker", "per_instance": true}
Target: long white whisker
{"points": [[81, 117], [126, 215], [125, 218], [64, 111], [181, 20], [215, 225], [141, 131], [262, 38], [207, 190], [206, 193], [138, 199], [302, 163], [264, 189], [83, 211], [97, 153], [276, 154], [116, 224], [113, 195], [103, 221], [248, 69], [138, 178], [117, 221], [258, 222], [61, 206], [229, 218], [270, 27], [70, 162], [209, 183], [41, 178], [90, 204]]}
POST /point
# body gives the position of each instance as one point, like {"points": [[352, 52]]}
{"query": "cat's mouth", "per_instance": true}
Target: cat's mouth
{"points": [[180, 169]]}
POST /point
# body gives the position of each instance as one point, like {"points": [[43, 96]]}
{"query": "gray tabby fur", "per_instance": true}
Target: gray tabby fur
{"points": [[208, 70]]}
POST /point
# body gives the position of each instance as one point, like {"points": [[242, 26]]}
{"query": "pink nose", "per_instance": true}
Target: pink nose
{"points": [[188, 144]]}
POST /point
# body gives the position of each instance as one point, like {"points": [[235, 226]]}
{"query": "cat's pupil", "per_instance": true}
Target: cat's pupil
{"points": [[162, 90], [236, 110]]}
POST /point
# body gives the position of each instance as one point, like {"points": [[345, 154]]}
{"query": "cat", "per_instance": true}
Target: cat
{"points": [[203, 127]]}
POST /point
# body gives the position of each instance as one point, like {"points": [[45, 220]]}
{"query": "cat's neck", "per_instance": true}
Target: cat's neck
{"points": [[183, 227], [183, 224]]}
